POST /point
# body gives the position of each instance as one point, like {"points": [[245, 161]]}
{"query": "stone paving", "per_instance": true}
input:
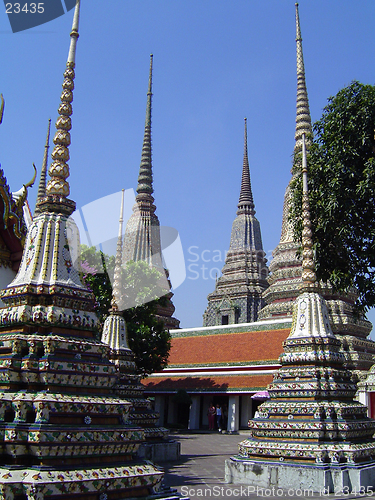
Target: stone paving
{"points": [[199, 474]]}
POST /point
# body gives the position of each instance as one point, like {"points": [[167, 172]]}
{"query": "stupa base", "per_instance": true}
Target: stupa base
{"points": [[136, 479], [323, 479]]}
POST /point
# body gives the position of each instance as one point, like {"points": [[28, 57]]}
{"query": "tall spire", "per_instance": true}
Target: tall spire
{"points": [[145, 169], [114, 329], [43, 173], [290, 274], [308, 264], [303, 118], [142, 234], [246, 203], [142, 241], [285, 267], [117, 273], [237, 294], [58, 187]]}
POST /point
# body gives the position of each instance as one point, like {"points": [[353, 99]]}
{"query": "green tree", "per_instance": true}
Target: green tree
{"points": [[341, 170], [141, 293], [96, 271], [148, 338]]}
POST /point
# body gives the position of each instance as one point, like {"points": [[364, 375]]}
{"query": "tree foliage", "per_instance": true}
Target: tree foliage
{"points": [[96, 271], [140, 287], [341, 170]]}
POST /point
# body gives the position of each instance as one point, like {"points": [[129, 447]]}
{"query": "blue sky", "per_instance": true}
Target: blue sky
{"points": [[215, 62]]}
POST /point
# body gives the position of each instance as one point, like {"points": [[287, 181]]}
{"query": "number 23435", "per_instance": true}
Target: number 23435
{"points": [[17, 8]]}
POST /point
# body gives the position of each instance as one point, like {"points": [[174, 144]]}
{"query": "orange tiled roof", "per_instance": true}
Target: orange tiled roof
{"points": [[228, 348], [214, 383]]}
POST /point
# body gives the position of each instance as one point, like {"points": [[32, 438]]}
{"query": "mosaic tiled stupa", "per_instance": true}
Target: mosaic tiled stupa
{"points": [[311, 434], [157, 446], [237, 297], [64, 434], [142, 233], [285, 267]]}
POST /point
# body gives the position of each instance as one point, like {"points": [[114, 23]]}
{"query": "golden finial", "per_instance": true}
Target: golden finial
{"points": [[58, 186]]}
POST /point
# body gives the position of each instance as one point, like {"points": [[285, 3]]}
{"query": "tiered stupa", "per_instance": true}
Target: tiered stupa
{"points": [[64, 432], [142, 233], [128, 385], [237, 297], [285, 267], [311, 434]]}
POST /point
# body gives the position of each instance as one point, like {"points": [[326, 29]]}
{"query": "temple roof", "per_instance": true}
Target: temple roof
{"points": [[233, 358], [209, 383], [240, 347]]}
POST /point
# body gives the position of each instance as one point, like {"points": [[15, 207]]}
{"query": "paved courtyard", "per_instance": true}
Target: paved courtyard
{"points": [[199, 474]]}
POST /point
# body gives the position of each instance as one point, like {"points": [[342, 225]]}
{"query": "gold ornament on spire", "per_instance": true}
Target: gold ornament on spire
{"points": [[57, 186]]}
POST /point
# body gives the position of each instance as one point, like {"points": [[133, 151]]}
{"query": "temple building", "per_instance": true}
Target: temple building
{"points": [[142, 240], [237, 297], [285, 267], [65, 432]]}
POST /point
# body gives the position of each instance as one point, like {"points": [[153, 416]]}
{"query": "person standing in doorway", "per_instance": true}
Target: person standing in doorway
{"points": [[211, 417], [218, 417]]}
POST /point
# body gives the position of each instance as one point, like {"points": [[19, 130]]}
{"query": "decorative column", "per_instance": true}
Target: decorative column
{"points": [[233, 413], [194, 412]]}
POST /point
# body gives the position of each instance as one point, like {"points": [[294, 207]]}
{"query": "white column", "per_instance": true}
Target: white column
{"points": [[364, 397], [246, 408], [233, 411], [194, 413], [160, 407]]}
